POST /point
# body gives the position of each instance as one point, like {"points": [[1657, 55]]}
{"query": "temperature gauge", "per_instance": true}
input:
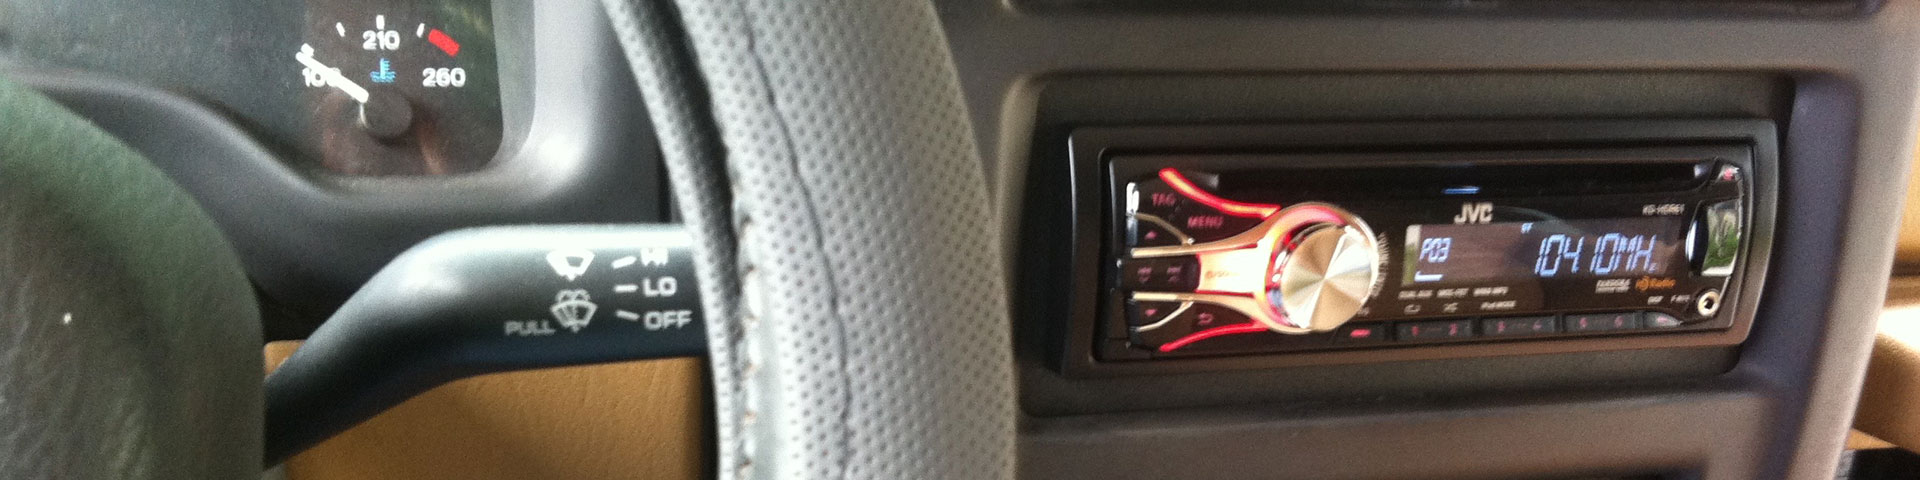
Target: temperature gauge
{"points": [[400, 88]]}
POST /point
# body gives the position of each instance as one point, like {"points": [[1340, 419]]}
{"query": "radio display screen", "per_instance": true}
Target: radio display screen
{"points": [[1449, 254]]}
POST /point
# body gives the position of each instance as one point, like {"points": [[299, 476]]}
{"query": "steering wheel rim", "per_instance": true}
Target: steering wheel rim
{"points": [[130, 346], [854, 279]]}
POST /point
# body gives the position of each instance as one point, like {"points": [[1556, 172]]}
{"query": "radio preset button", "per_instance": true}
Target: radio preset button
{"points": [[1435, 331], [1519, 326], [1602, 322], [1362, 334], [1662, 320]]}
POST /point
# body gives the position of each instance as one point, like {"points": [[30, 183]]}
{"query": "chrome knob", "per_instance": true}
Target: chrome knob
{"points": [[1305, 268], [1327, 275]]}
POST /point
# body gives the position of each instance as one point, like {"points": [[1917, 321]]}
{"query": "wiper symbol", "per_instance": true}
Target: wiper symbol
{"points": [[385, 74], [573, 309]]}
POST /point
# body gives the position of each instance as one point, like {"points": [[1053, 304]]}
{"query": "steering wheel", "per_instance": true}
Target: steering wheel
{"points": [[854, 284], [129, 339]]}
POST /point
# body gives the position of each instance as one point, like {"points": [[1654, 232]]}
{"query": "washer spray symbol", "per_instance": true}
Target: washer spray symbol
{"points": [[573, 309]]}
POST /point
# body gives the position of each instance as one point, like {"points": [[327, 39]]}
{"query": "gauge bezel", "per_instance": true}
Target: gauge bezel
{"points": [[420, 127]]}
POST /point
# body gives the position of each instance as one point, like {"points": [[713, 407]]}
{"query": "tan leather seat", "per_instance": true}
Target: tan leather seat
{"points": [[1890, 400], [645, 419]]}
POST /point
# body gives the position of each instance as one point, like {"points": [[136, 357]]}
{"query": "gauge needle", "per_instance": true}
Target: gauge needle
{"points": [[332, 77]]}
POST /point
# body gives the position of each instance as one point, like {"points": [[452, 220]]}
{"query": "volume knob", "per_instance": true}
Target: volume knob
{"points": [[1325, 275]]}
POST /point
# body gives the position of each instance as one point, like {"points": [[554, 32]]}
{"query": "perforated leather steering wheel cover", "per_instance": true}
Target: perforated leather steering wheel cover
{"points": [[871, 339]]}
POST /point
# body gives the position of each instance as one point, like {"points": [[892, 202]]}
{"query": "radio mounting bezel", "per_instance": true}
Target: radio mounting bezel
{"points": [[1747, 143]]}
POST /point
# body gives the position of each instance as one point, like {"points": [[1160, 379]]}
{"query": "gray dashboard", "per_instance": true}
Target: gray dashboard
{"points": [[1840, 88]]}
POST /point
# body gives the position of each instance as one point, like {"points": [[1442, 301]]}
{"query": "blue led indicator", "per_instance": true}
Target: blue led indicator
{"points": [[1467, 190]]}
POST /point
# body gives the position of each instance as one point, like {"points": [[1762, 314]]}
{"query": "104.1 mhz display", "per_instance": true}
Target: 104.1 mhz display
{"points": [[1542, 250]]}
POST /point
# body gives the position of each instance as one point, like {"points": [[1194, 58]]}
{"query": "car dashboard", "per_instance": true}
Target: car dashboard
{"points": [[1278, 239]]}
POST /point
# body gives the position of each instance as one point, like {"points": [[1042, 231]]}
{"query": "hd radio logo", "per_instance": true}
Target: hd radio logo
{"points": [[1654, 283]]}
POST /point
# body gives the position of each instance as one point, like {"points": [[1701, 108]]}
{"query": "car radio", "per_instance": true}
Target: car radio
{"points": [[1238, 253]]}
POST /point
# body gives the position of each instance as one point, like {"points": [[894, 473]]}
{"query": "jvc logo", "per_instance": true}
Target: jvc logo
{"points": [[1474, 212]]}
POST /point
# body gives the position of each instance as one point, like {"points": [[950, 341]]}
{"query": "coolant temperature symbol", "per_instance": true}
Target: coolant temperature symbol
{"points": [[385, 74]]}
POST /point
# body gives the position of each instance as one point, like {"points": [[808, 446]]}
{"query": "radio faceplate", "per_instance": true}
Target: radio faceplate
{"points": [[1234, 254]]}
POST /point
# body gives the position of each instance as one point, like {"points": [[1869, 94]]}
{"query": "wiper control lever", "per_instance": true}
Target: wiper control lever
{"points": [[487, 300]]}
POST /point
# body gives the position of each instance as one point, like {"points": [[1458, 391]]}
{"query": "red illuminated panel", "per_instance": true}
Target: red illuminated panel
{"points": [[1210, 333], [1186, 187]]}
